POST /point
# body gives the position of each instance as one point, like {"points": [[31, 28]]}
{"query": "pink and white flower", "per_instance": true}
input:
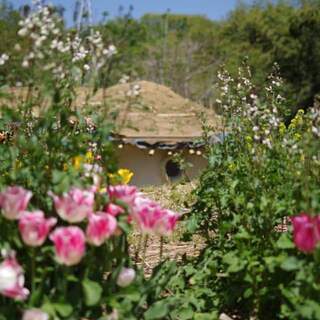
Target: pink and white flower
{"points": [[101, 227], [12, 279], [124, 193], [13, 201], [306, 231], [125, 277], [113, 209], [153, 219], [75, 205], [69, 244], [34, 227], [35, 314]]}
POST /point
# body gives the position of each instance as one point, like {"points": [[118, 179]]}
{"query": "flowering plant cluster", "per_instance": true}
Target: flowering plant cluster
{"points": [[261, 258], [82, 221], [52, 51], [66, 211]]}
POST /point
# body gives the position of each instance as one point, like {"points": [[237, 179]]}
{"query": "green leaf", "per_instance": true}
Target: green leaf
{"points": [[157, 311], [49, 308], [235, 263], [206, 316], [186, 313], [63, 309], [92, 292], [284, 242], [248, 293], [290, 264]]}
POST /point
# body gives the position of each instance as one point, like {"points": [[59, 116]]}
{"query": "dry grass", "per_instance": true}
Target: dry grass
{"points": [[177, 197]]}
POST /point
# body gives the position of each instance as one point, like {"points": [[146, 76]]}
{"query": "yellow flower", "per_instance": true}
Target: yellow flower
{"points": [[126, 175], [300, 112], [297, 136], [77, 162], [122, 176], [282, 128], [292, 125], [297, 120], [89, 157]]}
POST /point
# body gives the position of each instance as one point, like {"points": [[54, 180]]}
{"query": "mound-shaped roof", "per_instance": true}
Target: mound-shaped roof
{"points": [[156, 114]]}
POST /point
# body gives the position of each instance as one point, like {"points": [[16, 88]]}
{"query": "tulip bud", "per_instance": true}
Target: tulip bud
{"points": [[13, 201], [113, 209], [305, 232], [69, 244], [125, 277], [101, 227], [151, 218], [75, 205], [12, 279], [34, 227], [123, 193]]}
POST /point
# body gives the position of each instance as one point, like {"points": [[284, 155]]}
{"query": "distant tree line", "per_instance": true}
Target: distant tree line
{"points": [[185, 52]]}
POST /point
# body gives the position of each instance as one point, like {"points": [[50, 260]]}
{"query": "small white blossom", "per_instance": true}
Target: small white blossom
{"points": [[3, 59]]}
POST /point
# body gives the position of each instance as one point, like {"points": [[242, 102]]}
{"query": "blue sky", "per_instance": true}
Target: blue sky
{"points": [[215, 9]]}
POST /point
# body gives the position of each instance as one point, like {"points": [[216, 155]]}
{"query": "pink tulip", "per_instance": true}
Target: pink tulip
{"points": [[153, 219], [69, 244], [101, 227], [305, 232], [125, 277], [35, 314], [74, 206], [113, 209], [12, 279], [13, 201], [167, 224], [124, 193], [34, 227]]}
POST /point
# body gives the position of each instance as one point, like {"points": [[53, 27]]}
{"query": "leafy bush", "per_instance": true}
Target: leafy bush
{"points": [[260, 177]]}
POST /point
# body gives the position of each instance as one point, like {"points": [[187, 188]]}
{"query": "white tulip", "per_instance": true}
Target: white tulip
{"points": [[125, 277]]}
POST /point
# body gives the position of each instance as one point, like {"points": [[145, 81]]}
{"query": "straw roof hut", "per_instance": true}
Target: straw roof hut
{"points": [[152, 125]]}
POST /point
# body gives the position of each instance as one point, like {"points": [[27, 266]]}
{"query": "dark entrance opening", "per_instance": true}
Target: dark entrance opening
{"points": [[173, 169]]}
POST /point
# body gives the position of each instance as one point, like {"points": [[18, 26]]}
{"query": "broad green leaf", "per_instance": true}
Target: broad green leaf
{"points": [[284, 242], [92, 292], [157, 311], [63, 309], [290, 264]]}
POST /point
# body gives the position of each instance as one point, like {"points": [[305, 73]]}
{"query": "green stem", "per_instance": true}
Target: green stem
{"points": [[33, 269], [145, 250], [161, 249], [138, 248]]}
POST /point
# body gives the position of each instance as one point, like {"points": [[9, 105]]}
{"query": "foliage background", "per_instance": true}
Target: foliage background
{"points": [[184, 52]]}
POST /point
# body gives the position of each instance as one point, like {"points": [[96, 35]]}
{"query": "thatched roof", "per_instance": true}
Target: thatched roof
{"points": [[157, 115]]}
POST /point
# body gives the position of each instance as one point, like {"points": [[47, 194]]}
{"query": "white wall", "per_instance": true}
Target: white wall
{"points": [[150, 170]]}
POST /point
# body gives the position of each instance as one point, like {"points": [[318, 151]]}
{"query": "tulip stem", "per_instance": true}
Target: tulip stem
{"points": [[161, 249], [138, 248], [33, 269], [145, 250]]}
